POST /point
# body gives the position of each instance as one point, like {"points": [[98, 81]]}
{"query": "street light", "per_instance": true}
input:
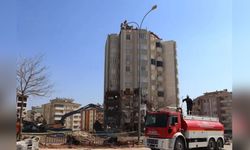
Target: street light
{"points": [[139, 70]]}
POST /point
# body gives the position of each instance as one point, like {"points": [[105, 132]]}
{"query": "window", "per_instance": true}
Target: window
{"points": [[20, 104], [144, 84], [143, 46], [58, 116], [128, 59], [142, 36], [159, 63], [157, 44], [128, 84], [160, 94], [143, 68], [173, 120], [24, 99], [127, 69], [156, 120], [144, 73], [153, 62], [144, 57], [59, 105], [144, 62], [127, 36]]}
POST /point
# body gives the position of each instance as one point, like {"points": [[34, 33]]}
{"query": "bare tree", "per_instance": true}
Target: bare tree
{"points": [[32, 79]]}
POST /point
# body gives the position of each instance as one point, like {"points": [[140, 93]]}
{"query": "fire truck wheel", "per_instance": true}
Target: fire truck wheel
{"points": [[211, 144], [179, 144], [219, 144]]}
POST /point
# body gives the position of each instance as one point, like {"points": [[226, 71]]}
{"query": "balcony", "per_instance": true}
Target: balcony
{"points": [[76, 128], [59, 113], [59, 108], [77, 119], [57, 118], [77, 115]]}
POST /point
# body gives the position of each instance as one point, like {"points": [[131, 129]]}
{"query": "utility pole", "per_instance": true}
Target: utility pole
{"points": [[139, 70]]}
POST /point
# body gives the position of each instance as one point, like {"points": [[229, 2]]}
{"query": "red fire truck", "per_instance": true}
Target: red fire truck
{"points": [[170, 130]]}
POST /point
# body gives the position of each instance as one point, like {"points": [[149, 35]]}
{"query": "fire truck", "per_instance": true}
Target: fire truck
{"points": [[170, 130]]}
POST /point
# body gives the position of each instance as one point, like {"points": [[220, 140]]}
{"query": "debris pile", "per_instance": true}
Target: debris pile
{"points": [[80, 137], [29, 143], [100, 139]]}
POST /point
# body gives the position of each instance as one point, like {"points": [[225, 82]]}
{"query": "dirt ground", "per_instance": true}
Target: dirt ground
{"points": [[227, 147]]}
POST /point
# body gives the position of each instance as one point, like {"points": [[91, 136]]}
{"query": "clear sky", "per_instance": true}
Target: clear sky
{"points": [[72, 34]]}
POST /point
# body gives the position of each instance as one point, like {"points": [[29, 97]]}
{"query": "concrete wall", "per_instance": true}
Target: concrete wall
{"points": [[170, 73]]}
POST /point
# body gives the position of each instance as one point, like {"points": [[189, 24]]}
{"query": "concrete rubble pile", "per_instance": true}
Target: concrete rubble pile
{"points": [[86, 138], [31, 143]]}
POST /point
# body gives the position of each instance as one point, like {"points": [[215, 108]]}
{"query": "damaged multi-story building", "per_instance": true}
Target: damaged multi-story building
{"points": [[156, 77], [215, 104]]}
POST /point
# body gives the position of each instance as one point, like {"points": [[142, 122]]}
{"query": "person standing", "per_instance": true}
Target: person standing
{"points": [[189, 102], [18, 129]]}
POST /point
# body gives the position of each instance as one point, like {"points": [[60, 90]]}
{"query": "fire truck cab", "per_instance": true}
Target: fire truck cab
{"points": [[169, 130]]}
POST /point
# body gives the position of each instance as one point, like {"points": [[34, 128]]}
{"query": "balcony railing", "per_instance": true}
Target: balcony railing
{"points": [[59, 108], [59, 113], [57, 118]]}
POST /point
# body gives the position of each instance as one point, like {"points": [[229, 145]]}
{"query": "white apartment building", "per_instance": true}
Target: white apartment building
{"points": [[156, 76], [54, 110]]}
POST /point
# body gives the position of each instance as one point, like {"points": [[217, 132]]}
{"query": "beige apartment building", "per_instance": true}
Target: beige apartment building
{"points": [[156, 76], [54, 110], [215, 104]]}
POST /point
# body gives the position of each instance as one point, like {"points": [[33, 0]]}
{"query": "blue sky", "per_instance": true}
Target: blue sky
{"points": [[72, 36]]}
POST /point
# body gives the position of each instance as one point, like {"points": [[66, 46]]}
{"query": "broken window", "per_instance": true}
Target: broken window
{"points": [[127, 68], [128, 37], [160, 93], [159, 63], [20, 104], [157, 44], [153, 62]]}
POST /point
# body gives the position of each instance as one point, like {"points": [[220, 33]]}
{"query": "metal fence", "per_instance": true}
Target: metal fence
{"points": [[59, 138], [49, 138]]}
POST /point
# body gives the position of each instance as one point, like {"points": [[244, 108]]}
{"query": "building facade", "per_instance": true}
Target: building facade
{"points": [[215, 104], [53, 111], [19, 100], [156, 76], [89, 116], [34, 113]]}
